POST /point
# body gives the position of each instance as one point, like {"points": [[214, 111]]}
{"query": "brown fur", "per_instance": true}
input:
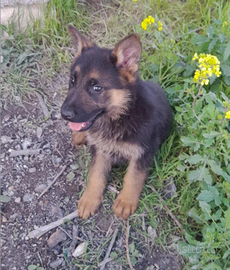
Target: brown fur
{"points": [[93, 194], [78, 138], [127, 201]]}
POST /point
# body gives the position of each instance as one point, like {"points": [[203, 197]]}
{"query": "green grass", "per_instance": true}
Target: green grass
{"points": [[45, 46]]}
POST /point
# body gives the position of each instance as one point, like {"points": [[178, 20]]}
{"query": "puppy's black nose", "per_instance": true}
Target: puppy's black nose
{"points": [[67, 113]]}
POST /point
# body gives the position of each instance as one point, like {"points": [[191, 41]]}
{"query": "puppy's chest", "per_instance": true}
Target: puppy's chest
{"points": [[115, 148]]}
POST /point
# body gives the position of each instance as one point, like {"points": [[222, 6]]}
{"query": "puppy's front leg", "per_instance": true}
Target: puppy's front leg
{"points": [[127, 201], [93, 194]]}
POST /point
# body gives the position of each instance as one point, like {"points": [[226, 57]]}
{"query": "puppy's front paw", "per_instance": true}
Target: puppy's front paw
{"points": [[124, 205], [88, 204], [78, 138]]}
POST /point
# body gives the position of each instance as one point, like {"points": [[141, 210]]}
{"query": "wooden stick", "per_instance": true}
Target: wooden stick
{"points": [[168, 210], [26, 152], [103, 263], [43, 105], [55, 179], [127, 245], [42, 230]]}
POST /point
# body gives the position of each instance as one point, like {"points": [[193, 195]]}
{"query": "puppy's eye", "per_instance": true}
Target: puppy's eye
{"points": [[72, 80], [97, 88]]}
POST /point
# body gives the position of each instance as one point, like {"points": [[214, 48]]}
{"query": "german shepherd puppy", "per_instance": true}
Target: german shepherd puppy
{"points": [[121, 117]]}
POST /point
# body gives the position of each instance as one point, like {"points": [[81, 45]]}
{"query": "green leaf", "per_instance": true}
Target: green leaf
{"points": [[195, 175], [4, 199], [32, 267], [212, 44], [209, 195], [227, 51], [205, 195], [195, 159], [225, 69], [212, 134], [227, 218], [226, 254], [206, 208], [218, 170]]}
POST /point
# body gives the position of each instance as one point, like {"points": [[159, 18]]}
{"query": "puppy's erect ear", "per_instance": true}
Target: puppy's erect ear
{"points": [[79, 40], [128, 54]]}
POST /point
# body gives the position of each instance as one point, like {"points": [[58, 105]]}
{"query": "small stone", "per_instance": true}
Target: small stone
{"points": [[9, 193], [17, 98], [18, 147], [152, 233], [27, 238], [11, 188], [26, 144], [2, 242], [5, 139], [56, 263], [56, 212], [39, 132], [56, 238], [80, 249], [58, 116], [6, 117], [32, 170], [170, 188], [13, 217], [40, 188], [18, 200], [4, 219], [28, 197]]}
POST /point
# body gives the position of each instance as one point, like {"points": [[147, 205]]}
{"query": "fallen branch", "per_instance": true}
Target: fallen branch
{"points": [[42, 230], [74, 241], [55, 179], [26, 152], [103, 263], [127, 245], [43, 105], [168, 210]]}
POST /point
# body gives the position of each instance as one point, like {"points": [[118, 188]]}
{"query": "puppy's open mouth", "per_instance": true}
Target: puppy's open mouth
{"points": [[84, 125]]}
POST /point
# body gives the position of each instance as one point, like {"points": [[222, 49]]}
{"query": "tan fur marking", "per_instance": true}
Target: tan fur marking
{"points": [[127, 201], [93, 194], [78, 138], [119, 103], [94, 74], [110, 147], [77, 69]]}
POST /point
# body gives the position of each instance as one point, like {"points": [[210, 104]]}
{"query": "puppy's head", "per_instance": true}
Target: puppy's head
{"points": [[100, 80]]}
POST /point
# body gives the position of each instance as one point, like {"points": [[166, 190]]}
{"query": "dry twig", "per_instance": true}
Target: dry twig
{"points": [[127, 245], [168, 210], [42, 230], [74, 241], [26, 152], [55, 179], [43, 105], [103, 263]]}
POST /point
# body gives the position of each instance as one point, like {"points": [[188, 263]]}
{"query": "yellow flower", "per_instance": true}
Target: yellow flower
{"points": [[195, 57], [220, 116], [227, 115], [147, 21], [224, 24], [208, 65], [160, 25]]}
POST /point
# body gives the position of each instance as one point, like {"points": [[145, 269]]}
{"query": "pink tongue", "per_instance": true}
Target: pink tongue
{"points": [[77, 126]]}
